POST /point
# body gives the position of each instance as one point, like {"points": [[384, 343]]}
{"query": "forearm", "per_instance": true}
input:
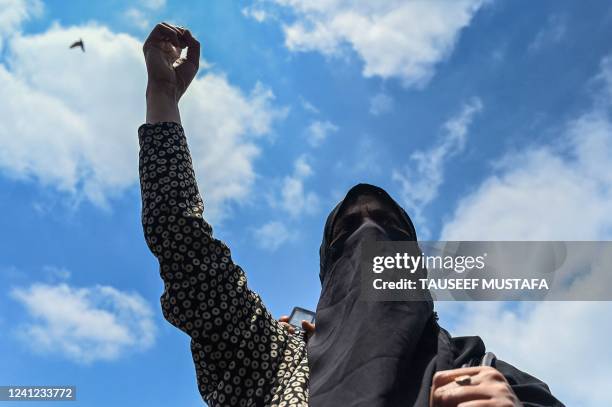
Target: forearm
{"points": [[162, 106], [167, 181]]}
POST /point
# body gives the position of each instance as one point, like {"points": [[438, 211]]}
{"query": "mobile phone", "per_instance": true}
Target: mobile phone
{"points": [[300, 314]]}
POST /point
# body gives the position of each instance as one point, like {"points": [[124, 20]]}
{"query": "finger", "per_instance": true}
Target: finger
{"points": [[193, 48], [474, 381], [288, 327], [307, 326], [490, 382], [168, 33], [284, 318], [171, 27], [188, 36], [175, 28], [157, 40], [179, 31], [477, 403], [459, 394], [446, 376]]}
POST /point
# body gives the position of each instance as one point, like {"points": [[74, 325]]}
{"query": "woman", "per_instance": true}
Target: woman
{"points": [[360, 354]]}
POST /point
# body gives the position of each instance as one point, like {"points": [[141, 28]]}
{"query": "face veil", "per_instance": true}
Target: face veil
{"points": [[373, 353]]}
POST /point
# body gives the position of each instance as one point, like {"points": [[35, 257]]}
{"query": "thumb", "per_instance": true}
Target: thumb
{"points": [[308, 327], [193, 48]]}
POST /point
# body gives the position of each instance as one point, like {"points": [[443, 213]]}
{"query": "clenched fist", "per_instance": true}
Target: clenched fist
{"points": [[168, 73]]}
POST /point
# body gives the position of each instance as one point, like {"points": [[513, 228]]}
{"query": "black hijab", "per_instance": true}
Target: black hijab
{"points": [[376, 353], [366, 353]]}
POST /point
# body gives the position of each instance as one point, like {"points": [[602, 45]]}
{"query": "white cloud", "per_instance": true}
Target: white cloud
{"points": [[272, 235], [13, 13], [422, 178], [309, 107], [396, 38], [380, 103], [553, 32], [554, 192], [69, 119], [605, 78], [224, 125], [255, 13], [318, 131], [295, 200], [543, 193], [138, 18], [84, 324]]}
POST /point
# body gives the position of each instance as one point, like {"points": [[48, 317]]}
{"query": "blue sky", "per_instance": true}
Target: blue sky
{"points": [[486, 120]]}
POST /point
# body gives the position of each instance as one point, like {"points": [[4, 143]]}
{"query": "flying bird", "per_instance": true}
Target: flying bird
{"points": [[79, 43]]}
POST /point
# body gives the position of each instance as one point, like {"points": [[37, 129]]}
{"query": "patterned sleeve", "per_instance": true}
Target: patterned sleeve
{"points": [[241, 354]]}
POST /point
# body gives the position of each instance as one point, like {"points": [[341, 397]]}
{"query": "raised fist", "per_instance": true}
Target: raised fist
{"points": [[169, 73]]}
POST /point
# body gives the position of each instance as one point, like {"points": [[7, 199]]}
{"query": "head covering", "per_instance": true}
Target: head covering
{"points": [[360, 190], [383, 353], [373, 353]]}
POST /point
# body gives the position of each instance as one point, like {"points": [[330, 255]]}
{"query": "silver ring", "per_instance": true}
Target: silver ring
{"points": [[465, 380]]}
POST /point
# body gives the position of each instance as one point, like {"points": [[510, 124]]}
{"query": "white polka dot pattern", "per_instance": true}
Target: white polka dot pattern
{"points": [[242, 356]]}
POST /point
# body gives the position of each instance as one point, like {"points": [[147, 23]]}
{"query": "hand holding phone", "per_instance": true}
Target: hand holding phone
{"points": [[294, 325], [301, 314]]}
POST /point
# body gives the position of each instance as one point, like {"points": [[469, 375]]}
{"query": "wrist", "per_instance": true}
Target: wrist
{"points": [[162, 91], [162, 105]]}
